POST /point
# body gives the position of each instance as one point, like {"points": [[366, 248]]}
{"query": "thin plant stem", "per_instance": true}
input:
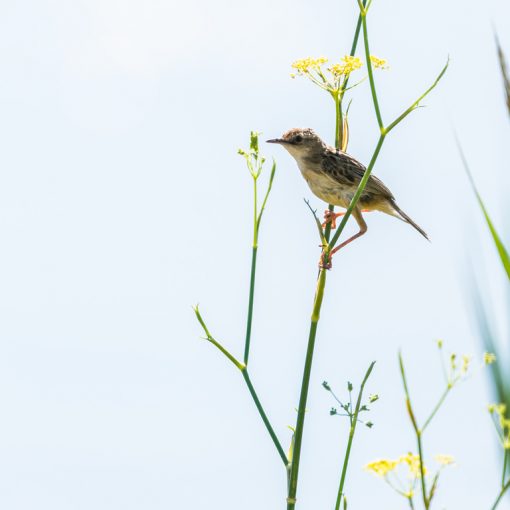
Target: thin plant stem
{"points": [[257, 217], [436, 408], [264, 417], [352, 430], [250, 303], [505, 461], [244, 370], [500, 495], [371, 72], [298, 435], [411, 503], [417, 431]]}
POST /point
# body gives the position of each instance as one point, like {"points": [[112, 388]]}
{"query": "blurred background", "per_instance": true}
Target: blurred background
{"points": [[123, 202]]}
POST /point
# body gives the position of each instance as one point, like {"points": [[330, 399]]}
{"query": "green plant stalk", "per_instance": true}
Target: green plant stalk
{"points": [[363, 14], [264, 417], [352, 431], [250, 302], [298, 435], [436, 408], [500, 495], [505, 461], [244, 370], [418, 432]]}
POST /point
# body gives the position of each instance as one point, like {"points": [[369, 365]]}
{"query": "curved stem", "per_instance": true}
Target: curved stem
{"points": [[298, 435]]}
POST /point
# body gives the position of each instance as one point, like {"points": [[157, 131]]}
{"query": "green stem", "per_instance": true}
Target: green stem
{"points": [[501, 493], [418, 432], [339, 124], [352, 430], [293, 479], [359, 191], [371, 73], [505, 461], [264, 417], [250, 303], [436, 408]]}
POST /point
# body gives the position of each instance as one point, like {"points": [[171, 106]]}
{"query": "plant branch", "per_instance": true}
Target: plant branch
{"points": [[244, 370], [352, 430], [437, 406], [501, 493], [418, 432], [264, 417], [415, 105], [370, 72]]}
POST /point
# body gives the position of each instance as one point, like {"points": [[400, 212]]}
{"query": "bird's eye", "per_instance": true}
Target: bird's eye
{"points": [[298, 138]]}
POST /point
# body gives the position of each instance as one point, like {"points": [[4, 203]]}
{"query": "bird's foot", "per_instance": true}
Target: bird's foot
{"points": [[330, 217], [325, 261]]}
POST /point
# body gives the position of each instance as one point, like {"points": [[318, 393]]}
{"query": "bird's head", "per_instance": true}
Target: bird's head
{"points": [[300, 142]]}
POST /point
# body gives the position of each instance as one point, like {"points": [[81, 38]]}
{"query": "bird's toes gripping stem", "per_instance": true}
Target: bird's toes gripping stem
{"points": [[330, 217], [325, 260]]}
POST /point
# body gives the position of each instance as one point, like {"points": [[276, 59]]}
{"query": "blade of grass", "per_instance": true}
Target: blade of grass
{"points": [[502, 252]]}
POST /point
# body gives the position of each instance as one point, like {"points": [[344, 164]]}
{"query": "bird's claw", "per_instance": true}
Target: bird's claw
{"points": [[330, 217]]}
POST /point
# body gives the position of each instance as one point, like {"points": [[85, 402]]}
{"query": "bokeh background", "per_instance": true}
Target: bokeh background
{"points": [[123, 202]]}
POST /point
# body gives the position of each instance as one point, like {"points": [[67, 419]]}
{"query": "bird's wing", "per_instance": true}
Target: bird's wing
{"points": [[348, 172]]}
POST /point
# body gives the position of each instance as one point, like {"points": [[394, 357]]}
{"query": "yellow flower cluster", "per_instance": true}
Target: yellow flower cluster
{"points": [[382, 467], [413, 463], [347, 65], [503, 422], [378, 63], [306, 65], [489, 358]]}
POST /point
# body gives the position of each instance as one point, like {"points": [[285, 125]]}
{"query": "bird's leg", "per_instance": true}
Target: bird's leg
{"points": [[330, 217], [362, 229]]}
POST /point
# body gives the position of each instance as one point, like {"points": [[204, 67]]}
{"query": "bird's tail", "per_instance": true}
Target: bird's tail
{"points": [[407, 219]]}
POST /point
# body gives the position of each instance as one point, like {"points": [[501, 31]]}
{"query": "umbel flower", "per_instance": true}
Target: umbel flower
{"points": [[332, 77], [388, 469]]}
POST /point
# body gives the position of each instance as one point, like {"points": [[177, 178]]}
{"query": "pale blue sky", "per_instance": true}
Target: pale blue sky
{"points": [[123, 202]]}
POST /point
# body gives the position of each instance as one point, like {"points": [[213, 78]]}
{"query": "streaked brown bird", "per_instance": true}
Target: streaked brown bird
{"points": [[334, 176]]}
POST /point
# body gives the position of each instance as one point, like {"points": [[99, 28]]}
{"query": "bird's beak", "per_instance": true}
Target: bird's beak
{"points": [[276, 140]]}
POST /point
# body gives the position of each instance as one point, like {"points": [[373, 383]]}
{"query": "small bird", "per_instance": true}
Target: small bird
{"points": [[334, 176]]}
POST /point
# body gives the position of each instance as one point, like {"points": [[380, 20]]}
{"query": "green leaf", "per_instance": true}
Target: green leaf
{"points": [[502, 251]]}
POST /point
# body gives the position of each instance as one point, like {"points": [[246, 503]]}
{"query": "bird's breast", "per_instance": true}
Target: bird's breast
{"points": [[326, 188]]}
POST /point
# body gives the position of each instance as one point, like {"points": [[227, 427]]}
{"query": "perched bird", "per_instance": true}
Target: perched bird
{"points": [[334, 176]]}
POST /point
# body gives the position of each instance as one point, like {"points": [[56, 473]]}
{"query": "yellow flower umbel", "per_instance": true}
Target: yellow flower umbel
{"points": [[332, 78], [389, 470], [501, 422], [381, 467]]}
